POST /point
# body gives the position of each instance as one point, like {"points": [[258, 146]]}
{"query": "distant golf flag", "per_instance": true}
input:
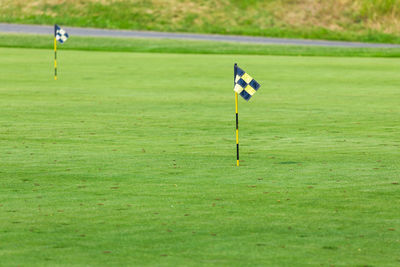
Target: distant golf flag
{"points": [[61, 36], [246, 86]]}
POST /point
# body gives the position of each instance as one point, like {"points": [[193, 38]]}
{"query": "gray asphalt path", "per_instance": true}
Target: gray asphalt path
{"points": [[40, 29]]}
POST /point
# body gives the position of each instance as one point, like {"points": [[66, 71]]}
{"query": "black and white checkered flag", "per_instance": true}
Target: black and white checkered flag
{"points": [[60, 34]]}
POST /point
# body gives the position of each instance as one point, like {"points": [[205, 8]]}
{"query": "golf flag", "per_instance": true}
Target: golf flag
{"points": [[246, 86], [61, 36]]}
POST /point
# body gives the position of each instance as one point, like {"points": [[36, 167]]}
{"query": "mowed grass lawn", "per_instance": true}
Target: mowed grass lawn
{"points": [[129, 159]]}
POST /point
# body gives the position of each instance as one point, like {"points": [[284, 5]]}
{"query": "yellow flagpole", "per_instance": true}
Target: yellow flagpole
{"points": [[237, 115], [237, 129], [55, 58]]}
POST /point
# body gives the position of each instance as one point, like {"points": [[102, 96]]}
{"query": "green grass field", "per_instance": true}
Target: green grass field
{"points": [[129, 159], [189, 47]]}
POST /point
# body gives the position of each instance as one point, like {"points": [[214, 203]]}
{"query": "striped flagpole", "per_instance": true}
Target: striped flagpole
{"points": [[55, 54], [237, 117]]}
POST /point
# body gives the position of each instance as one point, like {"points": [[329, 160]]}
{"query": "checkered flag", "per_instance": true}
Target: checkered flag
{"points": [[245, 85], [60, 34]]}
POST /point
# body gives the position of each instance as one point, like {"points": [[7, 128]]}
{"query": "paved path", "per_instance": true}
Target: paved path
{"points": [[39, 29]]}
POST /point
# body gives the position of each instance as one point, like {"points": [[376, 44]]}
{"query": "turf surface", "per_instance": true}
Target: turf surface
{"points": [[129, 159]]}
